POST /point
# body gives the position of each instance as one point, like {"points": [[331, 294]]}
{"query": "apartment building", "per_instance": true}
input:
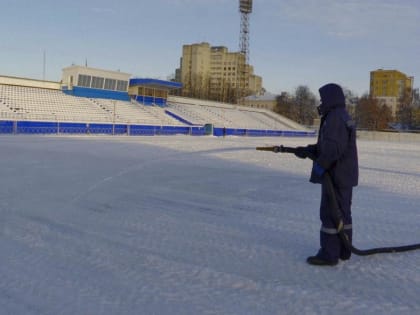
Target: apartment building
{"points": [[391, 87], [215, 73]]}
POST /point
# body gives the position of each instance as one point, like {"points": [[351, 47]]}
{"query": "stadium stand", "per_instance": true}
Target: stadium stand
{"points": [[38, 104], [28, 103], [133, 112], [140, 107], [200, 112]]}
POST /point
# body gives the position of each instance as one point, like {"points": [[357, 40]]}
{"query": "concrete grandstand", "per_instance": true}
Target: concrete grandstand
{"points": [[89, 100]]}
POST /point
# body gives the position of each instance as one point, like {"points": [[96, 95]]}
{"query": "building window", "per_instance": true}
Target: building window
{"points": [[97, 83], [110, 84], [84, 80], [122, 85]]}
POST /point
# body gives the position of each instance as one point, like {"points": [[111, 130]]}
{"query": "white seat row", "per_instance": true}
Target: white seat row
{"points": [[225, 115], [28, 103]]}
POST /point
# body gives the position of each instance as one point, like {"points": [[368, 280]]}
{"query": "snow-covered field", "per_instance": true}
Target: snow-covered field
{"points": [[196, 225]]}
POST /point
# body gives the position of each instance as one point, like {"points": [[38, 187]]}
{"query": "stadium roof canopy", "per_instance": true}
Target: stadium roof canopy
{"points": [[155, 83]]}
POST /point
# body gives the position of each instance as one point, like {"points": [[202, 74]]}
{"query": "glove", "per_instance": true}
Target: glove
{"points": [[276, 149], [318, 169], [301, 152]]}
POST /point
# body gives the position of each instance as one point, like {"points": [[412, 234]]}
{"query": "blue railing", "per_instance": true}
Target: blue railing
{"points": [[261, 132], [37, 127]]}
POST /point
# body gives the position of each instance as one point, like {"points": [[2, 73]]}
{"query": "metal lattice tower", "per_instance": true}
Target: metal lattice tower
{"points": [[245, 8]]}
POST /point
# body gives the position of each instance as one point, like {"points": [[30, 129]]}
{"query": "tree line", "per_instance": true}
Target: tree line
{"points": [[368, 112], [219, 90]]}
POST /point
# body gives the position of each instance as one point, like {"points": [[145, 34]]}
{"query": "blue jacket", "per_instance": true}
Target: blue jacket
{"points": [[336, 149]]}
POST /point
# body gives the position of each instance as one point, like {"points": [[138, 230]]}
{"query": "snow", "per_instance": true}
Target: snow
{"points": [[196, 225]]}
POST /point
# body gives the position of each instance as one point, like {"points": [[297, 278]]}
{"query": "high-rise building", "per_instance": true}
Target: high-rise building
{"points": [[391, 87], [214, 73]]}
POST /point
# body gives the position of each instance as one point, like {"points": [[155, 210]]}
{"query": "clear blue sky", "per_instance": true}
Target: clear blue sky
{"points": [[292, 43]]}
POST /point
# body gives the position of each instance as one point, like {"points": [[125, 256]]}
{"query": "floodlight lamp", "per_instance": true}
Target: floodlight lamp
{"points": [[245, 6]]}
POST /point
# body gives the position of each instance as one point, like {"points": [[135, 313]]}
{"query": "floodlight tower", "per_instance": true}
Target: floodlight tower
{"points": [[245, 8]]}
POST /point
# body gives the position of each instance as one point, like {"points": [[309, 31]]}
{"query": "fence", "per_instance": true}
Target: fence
{"points": [[262, 133], [41, 127]]}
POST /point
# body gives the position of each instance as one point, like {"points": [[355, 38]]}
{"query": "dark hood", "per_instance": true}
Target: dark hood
{"points": [[332, 96]]}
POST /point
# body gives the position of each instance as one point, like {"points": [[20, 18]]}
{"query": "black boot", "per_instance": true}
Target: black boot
{"points": [[345, 253], [319, 261]]}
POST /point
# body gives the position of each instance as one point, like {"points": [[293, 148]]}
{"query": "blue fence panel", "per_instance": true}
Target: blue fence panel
{"points": [[276, 133], [142, 130], [164, 130], [36, 127], [218, 132], [197, 131], [237, 132], [6, 126], [255, 133], [100, 129], [172, 130], [158, 130], [120, 129], [73, 128]]}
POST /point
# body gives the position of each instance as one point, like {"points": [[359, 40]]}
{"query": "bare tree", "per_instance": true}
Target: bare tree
{"points": [[197, 86], [285, 106], [416, 118], [226, 92], [306, 103], [371, 115], [300, 107], [405, 111], [351, 101]]}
